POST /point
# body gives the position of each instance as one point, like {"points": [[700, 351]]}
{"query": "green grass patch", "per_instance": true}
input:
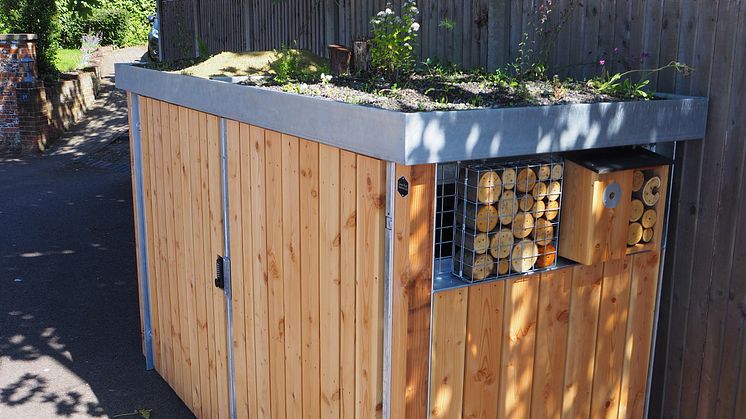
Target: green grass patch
{"points": [[251, 63], [68, 59]]}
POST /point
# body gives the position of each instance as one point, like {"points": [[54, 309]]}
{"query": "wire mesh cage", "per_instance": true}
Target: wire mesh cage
{"points": [[503, 216]]}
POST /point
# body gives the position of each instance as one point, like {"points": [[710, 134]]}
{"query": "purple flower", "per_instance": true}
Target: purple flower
{"points": [[602, 62], [616, 50]]}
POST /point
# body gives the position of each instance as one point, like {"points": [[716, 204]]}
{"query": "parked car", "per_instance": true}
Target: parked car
{"points": [[153, 38]]}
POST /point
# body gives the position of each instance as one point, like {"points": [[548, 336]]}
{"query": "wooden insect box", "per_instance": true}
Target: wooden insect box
{"points": [[601, 213]]}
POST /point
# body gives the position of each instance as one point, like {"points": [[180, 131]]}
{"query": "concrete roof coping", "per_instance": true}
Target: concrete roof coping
{"points": [[18, 37]]}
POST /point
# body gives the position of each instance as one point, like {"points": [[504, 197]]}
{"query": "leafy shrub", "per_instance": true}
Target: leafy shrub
{"points": [[391, 47], [34, 16], [291, 65], [137, 18], [112, 23]]}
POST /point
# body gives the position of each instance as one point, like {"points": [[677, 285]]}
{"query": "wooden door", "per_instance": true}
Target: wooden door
{"points": [[306, 246], [184, 227]]}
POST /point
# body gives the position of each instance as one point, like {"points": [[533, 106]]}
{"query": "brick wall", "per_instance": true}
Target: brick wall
{"points": [[17, 63], [34, 113]]}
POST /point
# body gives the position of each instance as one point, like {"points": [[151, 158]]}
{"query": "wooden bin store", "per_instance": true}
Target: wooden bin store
{"points": [[336, 290]]}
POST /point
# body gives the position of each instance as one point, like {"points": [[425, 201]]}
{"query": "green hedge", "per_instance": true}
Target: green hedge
{"points": [[112, 23], [84, 16]]}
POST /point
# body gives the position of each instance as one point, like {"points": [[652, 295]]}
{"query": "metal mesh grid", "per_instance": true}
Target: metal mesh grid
{"points": [[497, 219]]}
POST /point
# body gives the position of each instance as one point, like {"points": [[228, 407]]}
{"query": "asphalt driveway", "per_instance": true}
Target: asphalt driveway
{"points": [[69, 316]]}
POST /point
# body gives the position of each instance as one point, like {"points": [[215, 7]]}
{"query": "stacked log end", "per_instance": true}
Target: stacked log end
{"points": [[647, 192]]}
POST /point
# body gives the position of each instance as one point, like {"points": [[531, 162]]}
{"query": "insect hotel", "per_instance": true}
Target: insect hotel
{"points": [[300, 257]]}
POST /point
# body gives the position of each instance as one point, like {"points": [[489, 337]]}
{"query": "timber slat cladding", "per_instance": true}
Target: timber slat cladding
{"points": [[571, 343], [183, 212], [306, 228]]}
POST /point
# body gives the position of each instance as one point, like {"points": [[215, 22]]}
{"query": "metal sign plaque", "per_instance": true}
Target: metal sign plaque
{"points": [[402, 186]]}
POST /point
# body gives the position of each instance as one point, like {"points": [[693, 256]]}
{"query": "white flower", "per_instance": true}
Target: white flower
{"points": [[326, 78], [415, 27], [388, 11], [381, 14], [414, 10]]}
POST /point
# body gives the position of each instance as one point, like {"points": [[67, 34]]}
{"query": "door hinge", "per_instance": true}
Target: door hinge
{"points": [[219, 275]]}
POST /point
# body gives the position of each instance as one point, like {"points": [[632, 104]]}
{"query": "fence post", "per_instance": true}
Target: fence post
{"points": [[498, 33]]}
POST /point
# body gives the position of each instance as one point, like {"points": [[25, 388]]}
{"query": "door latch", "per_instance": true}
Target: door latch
{"points": [[219, 274]]}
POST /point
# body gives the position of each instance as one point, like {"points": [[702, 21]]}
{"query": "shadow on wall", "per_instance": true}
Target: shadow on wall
{"points": [[551, 132]]}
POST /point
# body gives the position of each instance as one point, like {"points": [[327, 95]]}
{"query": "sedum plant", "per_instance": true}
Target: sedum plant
{"points": [[392, 44]]}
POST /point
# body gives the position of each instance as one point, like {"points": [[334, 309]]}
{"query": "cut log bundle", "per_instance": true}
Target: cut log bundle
{"points": [[543, 232], [483, 217], [644, 209], [547, 256], [508, 218], [526, 180], [651, 191], [524, 255], [523, 225], [638, 178], [507, 208], [647, 235], [509, 178], [634, 234], [479, 242], [635, 210], [484, 188], [477, 267], [501, 243]]}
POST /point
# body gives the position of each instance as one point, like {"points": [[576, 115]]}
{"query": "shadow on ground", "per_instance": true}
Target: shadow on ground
{"points": [[69, 318]]}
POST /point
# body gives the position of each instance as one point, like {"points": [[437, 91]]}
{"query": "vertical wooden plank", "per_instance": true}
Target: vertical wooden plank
{"points": [[248, 279], [274, 203], [643, 287], [189, 318], [238, 275], [551, 343], [220, 384], [447, 357], [197, 135], [163, 152], [329, 279], [179, 130], [483, 350], [259, 246], [519, 338], [579, 366], [610, 342], [371, 206], [291, 275], [348, 222], [309, 242], [669, 41], [412, 267], [177, 247], [169, 249], [149, 181]]}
